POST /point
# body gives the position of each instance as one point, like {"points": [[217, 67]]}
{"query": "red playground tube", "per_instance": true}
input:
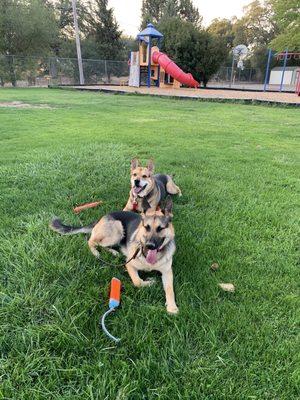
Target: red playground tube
{"points": [[172, 69]]}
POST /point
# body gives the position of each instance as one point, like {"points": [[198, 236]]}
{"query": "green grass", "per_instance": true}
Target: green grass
{"points": [[237, 168]]}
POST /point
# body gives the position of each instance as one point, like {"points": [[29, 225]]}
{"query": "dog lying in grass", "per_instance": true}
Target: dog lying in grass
{"points": [[147, 241], [154, 188]]}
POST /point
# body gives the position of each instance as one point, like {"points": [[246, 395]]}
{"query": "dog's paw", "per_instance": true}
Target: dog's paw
{"points": [[114, 252], [95, 253], [148, 282], [172, 309]]}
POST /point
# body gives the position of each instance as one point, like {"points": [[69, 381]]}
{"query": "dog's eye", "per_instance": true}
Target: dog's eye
{"points": [[160, 228], [134, 174], [145, 176], [148, 228]]}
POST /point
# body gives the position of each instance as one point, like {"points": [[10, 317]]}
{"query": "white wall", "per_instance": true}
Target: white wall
{"points": [[275, 77]]}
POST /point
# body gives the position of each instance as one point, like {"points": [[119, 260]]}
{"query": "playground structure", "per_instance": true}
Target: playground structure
{"points": [[159, 69], [298, 83], [282, 56]]}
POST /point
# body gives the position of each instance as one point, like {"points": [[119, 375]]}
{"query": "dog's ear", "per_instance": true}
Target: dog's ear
{"points": [[135, 162], [150, 166], [167, 210], [145, 205]]}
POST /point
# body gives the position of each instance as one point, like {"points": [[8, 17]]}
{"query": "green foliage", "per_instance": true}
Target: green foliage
{"points": [[26, 28], [152, 11], [155, 10], [195, 51], [237, 166], [287, 16], [129, 44], [188, 12], [104, 30], [268, 23], [256, 28], [223, 28]]}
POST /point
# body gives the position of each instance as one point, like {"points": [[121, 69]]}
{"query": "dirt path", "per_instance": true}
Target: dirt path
{"points": [[268, 97], [20, 104]]}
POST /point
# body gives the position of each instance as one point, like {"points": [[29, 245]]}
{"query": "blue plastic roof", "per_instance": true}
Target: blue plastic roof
{"points": [[150, 31]]}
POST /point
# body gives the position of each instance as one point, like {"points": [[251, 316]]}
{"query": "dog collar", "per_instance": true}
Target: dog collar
{"points": [[134, 206]]}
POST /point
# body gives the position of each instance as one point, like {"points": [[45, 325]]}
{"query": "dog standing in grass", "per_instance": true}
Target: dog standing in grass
{"points": [[146, 185], [147, 241]]}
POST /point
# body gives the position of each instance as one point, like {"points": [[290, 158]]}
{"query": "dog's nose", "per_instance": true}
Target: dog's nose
{"points": [[150, 246], [136, 182]]}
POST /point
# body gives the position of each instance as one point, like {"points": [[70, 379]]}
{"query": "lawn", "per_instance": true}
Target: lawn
{"points": [[237, 167]]}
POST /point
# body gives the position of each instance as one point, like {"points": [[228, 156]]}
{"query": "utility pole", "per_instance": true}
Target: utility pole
{"points": [[81, 77]]}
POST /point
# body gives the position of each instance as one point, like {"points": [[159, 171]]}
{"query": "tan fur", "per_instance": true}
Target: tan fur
{"points": [[145, 174], [172, 188], [109, 232]]}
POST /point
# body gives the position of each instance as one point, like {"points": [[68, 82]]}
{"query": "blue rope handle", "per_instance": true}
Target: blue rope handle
{"points": [[115, 339]]}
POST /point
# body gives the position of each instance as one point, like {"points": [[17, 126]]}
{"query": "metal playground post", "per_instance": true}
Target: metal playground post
{"points": [[268, 70], [283, 71]]}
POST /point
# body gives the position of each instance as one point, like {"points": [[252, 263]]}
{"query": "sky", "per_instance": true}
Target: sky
{"points": [[128, 12]]}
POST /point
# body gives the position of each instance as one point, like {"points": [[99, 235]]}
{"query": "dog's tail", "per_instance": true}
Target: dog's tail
{"points": [[57, 226]]}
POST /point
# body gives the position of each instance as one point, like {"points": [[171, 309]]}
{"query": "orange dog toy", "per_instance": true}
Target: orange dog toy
{"points": [[114, 302], [84, 206]]}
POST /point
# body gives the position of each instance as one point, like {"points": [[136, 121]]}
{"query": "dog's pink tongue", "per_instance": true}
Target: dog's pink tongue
{"points": [[137, 190], [151, 256]]}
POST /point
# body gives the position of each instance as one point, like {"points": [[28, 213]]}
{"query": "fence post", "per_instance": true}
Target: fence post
{"points": [[283, 71], [105, 69], [232, 68], [13, 71]]}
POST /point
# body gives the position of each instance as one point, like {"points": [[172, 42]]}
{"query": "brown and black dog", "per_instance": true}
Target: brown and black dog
{"points": [[146, 185], [149, 236]]}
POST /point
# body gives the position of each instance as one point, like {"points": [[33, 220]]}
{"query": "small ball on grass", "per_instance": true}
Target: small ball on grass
{"points": [[227, 287], [214, 266]]}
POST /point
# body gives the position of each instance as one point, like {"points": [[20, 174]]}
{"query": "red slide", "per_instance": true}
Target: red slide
{"points": [[172, 69]]}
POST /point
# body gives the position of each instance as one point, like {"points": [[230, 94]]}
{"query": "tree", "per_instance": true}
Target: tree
{"points": [[152, 11], [188, 12], [21, 30], [64, 15], [287, 16], [155, 10], [194, 50], [257, 27], [26, 28], [170, 9], [222, 29], [103, 28], [129, 44], [102, 32]]}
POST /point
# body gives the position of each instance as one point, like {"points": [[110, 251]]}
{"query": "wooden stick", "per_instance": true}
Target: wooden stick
{"points": [[84, 206]]}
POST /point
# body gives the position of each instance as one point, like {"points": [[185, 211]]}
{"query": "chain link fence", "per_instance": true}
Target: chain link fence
{"points": [[43, 71], [248, 78]]}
